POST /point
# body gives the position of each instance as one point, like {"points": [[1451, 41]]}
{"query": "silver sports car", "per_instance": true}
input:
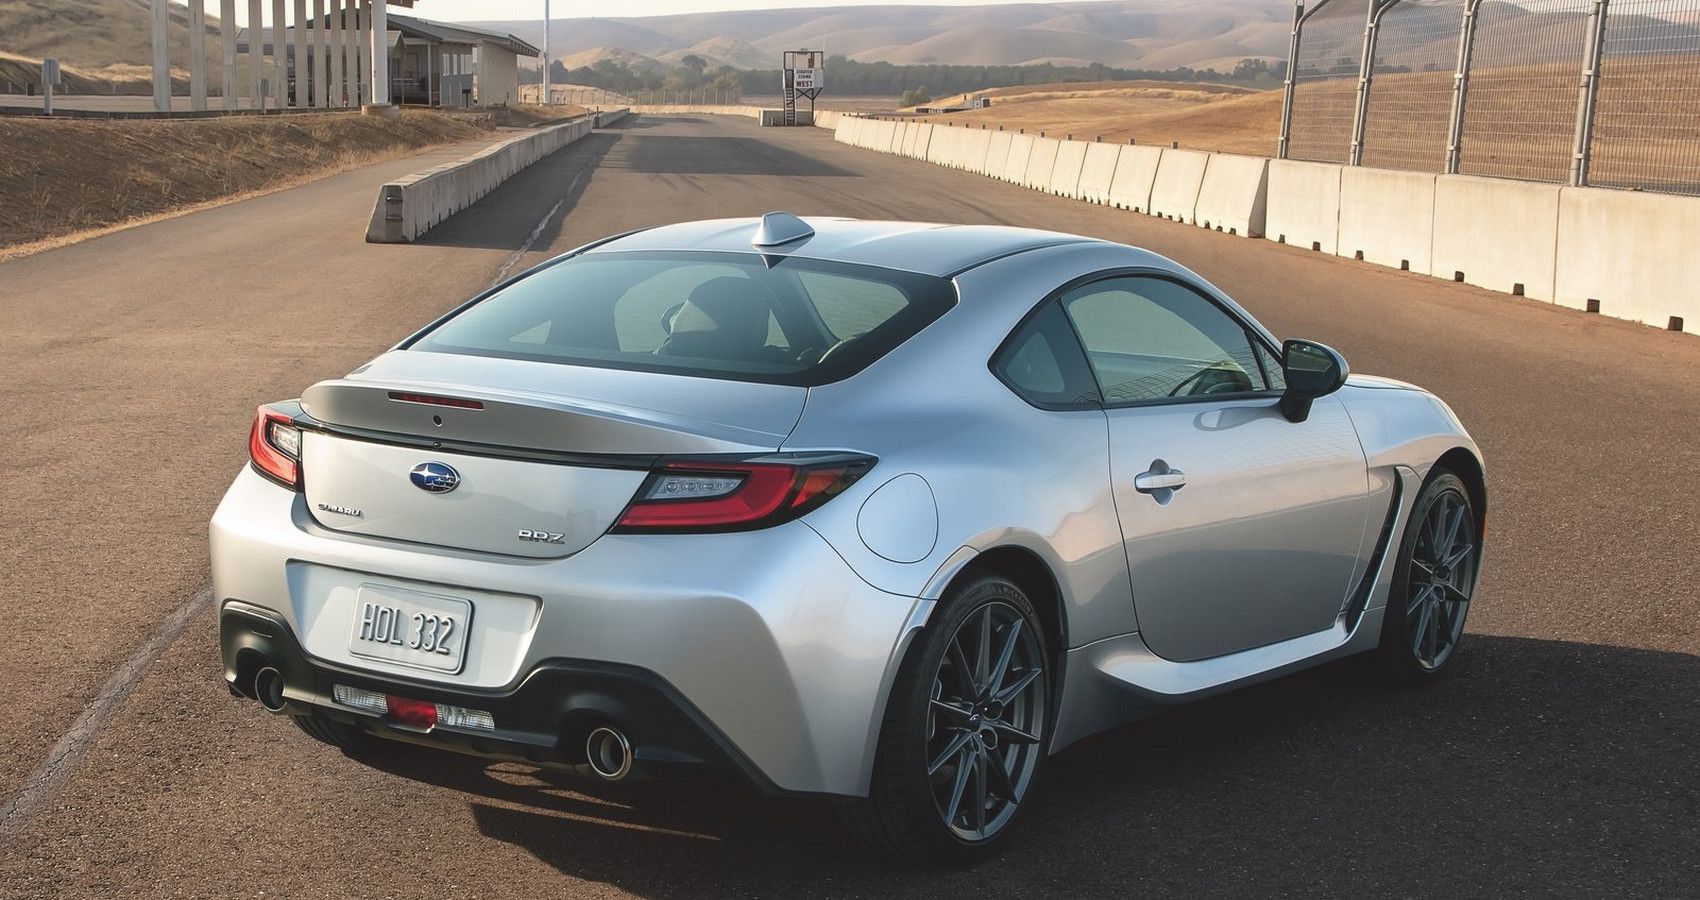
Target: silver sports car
{"points": [[881, 512]]}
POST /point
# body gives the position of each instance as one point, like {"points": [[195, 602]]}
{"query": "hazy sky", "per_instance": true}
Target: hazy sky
{"points": [[464, 10], [474, 10]]}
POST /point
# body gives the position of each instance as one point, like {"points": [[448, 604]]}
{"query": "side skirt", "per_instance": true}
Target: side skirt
{"points": [[1119, 679]]}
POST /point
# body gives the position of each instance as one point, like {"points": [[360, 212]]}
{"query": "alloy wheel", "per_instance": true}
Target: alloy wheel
{"points": [[986, 721], [1442, 579]]}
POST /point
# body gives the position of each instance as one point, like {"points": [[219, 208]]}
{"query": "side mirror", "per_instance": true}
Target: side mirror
{"points": [[1311, 370]]}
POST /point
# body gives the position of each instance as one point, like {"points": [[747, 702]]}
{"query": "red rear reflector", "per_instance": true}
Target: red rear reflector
{"points": [[433, 400], [417, 713]]}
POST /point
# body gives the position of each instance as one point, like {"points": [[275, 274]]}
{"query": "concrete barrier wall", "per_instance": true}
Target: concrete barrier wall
{"points": [[997, 154], [1231, 196], [1501, 235], [1174, 192], [611, 116], [945, 140], [1065, 176], [1136, 172], [1628, 253], [1097, 171], [1303, 204], [1041, 162], [1387, 216], [1020, 151], [1631, 251], [408, 207], [976, 146]]}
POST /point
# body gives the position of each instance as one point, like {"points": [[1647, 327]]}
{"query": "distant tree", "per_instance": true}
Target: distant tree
{"points": [[915, 96], [694, 62]]}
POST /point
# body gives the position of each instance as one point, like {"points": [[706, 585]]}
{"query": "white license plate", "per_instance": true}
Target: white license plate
{"points": [[410, 628]]}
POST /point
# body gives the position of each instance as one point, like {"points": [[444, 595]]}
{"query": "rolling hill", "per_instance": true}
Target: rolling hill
{"points": [[1155, 34]]}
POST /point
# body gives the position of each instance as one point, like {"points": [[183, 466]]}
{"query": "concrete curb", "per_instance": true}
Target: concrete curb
{"points": [[410, 206]]}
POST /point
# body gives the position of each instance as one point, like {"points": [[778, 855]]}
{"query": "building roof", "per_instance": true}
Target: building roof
{"points": [[411, 26], [444, 32]]}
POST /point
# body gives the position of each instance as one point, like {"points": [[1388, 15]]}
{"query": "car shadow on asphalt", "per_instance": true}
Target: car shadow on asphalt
{"points": [[1534, 766]]}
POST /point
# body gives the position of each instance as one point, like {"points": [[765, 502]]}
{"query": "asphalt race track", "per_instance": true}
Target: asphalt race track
{"points": [[1559, 758]]}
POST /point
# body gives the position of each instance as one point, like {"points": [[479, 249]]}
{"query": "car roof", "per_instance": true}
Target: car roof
{"points": [[921, 247]]}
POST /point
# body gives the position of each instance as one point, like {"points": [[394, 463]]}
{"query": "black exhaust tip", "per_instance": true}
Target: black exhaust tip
{"points": [[268, 689]]}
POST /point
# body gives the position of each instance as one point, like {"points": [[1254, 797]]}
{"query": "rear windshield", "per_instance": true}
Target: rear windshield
{"points": [[736, 316]]}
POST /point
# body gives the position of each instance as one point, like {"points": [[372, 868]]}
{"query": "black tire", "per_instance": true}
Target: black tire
{"points": [[1433, 585], [1003, 731], [340, 735]]}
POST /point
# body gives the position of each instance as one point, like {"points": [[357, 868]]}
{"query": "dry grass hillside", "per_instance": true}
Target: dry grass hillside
{"points": [[1201, 116], [16, 72], [62, 176], [93, 34]]}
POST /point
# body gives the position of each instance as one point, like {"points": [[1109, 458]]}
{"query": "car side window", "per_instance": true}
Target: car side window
{"points": [[1150, 339], [1043, 363]]}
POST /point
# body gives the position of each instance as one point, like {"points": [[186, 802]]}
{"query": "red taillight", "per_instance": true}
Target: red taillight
{"points": [[274, 445], [414, 713], [707, 495]]}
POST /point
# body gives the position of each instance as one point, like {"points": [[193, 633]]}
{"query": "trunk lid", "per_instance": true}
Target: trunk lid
{"points": [[542, 468]]}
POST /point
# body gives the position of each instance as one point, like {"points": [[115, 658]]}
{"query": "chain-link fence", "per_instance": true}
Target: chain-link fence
{"points": [[1603, 92]]}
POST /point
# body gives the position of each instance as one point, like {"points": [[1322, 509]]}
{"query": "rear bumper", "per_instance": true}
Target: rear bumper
{"points": [[543, 720], [762, 651]]}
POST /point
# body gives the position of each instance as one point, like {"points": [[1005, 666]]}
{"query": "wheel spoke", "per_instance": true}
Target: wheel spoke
{"points": [[1012, 734], [957, 787], [1454, 524], [1008, 694], [951, 749], [1420, 632], [1001, 784], [1001, 668], [1423, 566], [983, 655], [961, 712], [1421, 598], [1458, 555], [959, 662], [1436, 525], [980, 765]]}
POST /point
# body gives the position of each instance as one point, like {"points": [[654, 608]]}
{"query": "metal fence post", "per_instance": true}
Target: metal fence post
{"points": [[1461, 85], [1366, 69], [1588, 94], [1292, 75]]}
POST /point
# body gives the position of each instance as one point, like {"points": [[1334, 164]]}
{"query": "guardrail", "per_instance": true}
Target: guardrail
{"points": [[408, 207], [1625, 254]]}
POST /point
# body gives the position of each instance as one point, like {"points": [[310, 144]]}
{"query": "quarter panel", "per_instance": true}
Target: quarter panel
{"points": [[1004, 473]]}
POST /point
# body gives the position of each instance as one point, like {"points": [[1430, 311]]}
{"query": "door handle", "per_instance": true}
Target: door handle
{"points": [[1160, 481]]}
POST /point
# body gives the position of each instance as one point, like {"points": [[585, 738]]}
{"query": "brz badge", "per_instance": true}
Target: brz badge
{"points": [[542, 537], [435, 477], [341, 510]]}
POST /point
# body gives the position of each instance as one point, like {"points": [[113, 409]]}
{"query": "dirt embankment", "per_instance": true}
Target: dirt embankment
{"points": [[62, 177]]}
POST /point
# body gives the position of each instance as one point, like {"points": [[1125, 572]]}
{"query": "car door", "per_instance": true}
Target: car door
{"points": [[1242, 528]]}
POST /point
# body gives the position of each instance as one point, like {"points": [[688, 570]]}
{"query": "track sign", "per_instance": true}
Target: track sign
{"points": [[809, 79]]}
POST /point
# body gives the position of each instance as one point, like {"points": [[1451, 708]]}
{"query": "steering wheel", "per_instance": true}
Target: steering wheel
{"points": [[1231, 380]]}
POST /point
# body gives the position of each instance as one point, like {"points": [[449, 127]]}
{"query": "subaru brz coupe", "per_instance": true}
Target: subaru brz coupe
{"points": [[880, 512]]}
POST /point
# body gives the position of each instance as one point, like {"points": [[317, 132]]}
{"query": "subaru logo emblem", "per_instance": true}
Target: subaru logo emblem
{"points": [[435, 477]]}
